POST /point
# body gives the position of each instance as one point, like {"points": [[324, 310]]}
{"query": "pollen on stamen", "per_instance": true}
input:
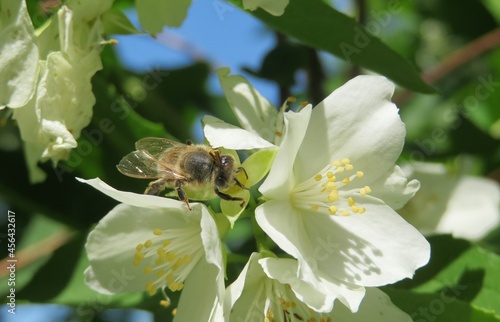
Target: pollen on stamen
{"points": [[345, 212], [165, 303], [359, 174], [303, 104], [330, 186], [318, 177], [346, 180], [349, 167], [148, 269], [314, 208], [345, 161], [334, 195], [157, 231], [365, 190], [337, 163], [139, 255], [351, 201], [333, 210], [139, 247]]}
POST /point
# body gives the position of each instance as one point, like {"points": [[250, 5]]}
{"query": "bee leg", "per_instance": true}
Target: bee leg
{"points": [[225, 196], [155, 187], [238, 183], [181, 193], [244, 171]]}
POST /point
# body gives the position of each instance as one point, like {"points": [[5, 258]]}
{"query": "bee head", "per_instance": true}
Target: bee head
{"points": [[226, 171]]}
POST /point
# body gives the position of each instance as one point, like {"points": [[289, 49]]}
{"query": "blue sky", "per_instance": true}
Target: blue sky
{"points": [[214, 31]]}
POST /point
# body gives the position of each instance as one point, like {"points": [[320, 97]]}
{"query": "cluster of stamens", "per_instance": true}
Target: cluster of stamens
{"points": [[169, 257], [291, 310], [323, 192]]}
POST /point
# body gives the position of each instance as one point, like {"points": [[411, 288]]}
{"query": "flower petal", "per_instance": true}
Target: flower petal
{"points": [[18, 55], [314, 296], [375, 307], [111, 246], [133, 199], [394, 189], [245, 298], [253, 111], [205, 287], [371, 249], [281, 178], [472, 210], [356, 121], [222, 134]]}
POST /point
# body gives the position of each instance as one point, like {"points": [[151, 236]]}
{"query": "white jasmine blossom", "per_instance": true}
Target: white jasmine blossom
{"points": [[157, 243], [464, 206], [268, 290], [253, 111], [18, 55], [56, 68], [333, 186]]}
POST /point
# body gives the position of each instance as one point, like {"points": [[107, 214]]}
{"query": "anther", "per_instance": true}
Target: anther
{"points": [[157, 231]]}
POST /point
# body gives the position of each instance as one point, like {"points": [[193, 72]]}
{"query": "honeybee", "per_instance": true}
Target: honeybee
{"points": [[175, 165]]}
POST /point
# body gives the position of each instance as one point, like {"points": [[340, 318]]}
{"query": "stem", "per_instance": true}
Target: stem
{"points": [[361, 6], [284, 91], [260, 236], [316, 76], [456, 60]]}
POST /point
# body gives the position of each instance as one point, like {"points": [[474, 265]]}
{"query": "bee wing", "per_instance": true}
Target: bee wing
{"points": [[155, 146], [141, 164]]}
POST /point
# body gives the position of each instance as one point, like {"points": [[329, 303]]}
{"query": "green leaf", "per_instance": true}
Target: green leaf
{"points": [[442, 307], [154, 14], [470, 272], [116, 23], [318, 25]]}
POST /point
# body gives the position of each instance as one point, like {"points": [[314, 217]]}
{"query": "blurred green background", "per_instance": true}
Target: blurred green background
{"points": [[162, 87]]}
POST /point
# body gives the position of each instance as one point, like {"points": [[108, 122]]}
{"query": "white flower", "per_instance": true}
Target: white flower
{"points": [[465, 206], [274, 7], [18, 55], [268, 290], [333, 186], [53, 113], [156, 243], [253, 111]]}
